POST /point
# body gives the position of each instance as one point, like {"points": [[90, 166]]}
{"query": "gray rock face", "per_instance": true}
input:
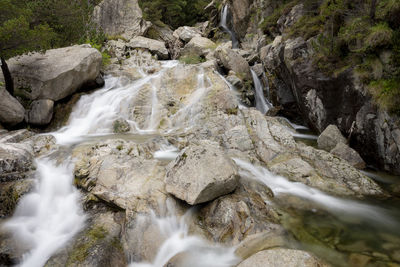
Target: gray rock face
{"points": [[347, 153], [15, 136], [186, 33], [240, 15], [11, 111], [154, 46], [282, 257], [15, 158], [201, 173], [199, 46], [341, 100], [291, 18], [57, 73], [41, 112], [330, 137], [232, 60], [120, 17]]}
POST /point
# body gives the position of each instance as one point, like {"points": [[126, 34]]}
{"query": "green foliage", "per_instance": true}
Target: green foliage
{"points": [[347, 35], [308, 26], [174, 13], [191, 59], [37, 25], [386, 92], [98, 44], [380, 36], [269, 25]]}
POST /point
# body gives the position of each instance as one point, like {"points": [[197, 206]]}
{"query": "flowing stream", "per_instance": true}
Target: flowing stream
{"points": [[262, 104], [50, 216], [225, 16]]}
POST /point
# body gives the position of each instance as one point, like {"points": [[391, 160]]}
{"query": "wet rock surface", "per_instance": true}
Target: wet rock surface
{"points": [[124, 182], [282, 257]]}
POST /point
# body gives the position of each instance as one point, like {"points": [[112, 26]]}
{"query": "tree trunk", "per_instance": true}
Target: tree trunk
{"points": [[7, 76], [372, 9]]}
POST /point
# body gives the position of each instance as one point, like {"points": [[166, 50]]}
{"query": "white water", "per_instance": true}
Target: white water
{"points": [[280, 185], [178, 241], [262, 104], [166, 153], [46, 219], [224, 25], [49, 217]]}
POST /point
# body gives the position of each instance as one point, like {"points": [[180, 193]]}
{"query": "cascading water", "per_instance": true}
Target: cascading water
{"points": [[262, 104], [50, 216], [196, 251], [280, 185], [224, 24], [46, 219]]}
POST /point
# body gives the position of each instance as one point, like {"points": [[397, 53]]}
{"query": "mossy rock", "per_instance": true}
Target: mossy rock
{"points": [[97, 245], [11, 193], [121, 126]]}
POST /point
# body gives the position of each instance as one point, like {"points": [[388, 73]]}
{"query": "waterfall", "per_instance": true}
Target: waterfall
{"points": [[47, 218], [262, 104], [224, 24], [50, 216]]}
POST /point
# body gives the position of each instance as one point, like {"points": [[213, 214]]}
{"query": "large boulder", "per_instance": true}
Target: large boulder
{"points": [[120, 17], [55, 74], [41, 112], [154, 46], [199, 46], [11, 111], [186, 33], [330, 137], [347, 153], [15, 158], [282, 257], [201, 173], [232, 60]]}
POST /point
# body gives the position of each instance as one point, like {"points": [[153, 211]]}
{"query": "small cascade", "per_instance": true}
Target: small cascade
{"points": [[192, 250], [262, 104], [46, 219], [267, 87], [187, 114], [281, 185], [225, 26]]}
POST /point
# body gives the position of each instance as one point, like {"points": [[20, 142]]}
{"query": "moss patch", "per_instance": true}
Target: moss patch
{"points": [[192, 59], [82, 251]]}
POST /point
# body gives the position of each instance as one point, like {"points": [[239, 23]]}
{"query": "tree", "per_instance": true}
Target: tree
{"points": [[37, 25], [372, 9], [18, 36], [174, 13]]}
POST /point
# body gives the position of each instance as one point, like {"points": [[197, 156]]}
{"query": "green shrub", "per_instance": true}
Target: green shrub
{"points": [[174, 13], [192, 59], [354, 32], [386, 93], [380, 36], [269, 25]]}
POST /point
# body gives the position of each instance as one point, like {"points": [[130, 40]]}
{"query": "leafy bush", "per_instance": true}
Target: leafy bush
{"points": [[191, 59], [380, 36]]}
